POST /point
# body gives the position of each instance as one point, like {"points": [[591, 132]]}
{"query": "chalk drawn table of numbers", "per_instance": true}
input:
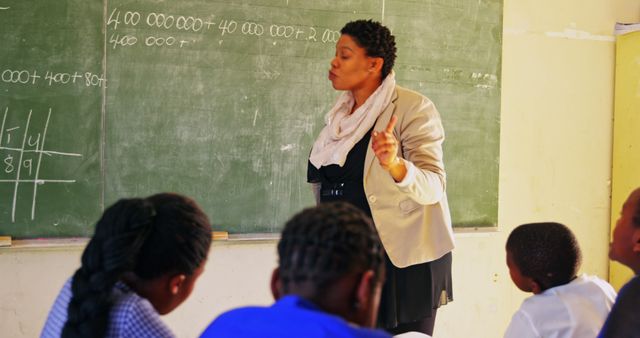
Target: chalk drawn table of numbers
{"points": [[23, 151], [51, 85]]}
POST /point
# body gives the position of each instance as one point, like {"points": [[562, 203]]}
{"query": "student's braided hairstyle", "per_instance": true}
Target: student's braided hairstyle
{"points": [[164, 233], [319, 245], [547, 252], [376, 39]]}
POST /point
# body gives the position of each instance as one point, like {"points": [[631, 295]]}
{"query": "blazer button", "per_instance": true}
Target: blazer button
{"points": [[372, 199]]}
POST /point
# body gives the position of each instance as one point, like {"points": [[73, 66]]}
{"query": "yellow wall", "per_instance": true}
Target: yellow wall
{"points": [[555, 164], [626, 136]]}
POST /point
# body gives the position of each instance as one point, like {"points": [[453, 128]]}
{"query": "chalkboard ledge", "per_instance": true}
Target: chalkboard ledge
{"points": [[461, 232], [81, 242], [47, 243]]}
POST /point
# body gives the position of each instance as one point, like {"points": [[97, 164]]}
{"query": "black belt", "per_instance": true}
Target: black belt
{"points": [[332, 189]]}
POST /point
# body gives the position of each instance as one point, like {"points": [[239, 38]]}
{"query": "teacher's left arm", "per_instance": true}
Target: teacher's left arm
{"points": [[420, 136]]}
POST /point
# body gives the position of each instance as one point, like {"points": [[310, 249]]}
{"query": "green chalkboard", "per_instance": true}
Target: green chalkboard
{"points": [[220, 101]]}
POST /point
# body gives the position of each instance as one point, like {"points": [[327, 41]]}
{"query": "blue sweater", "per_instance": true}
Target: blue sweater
{"points": [[292, 317], [624, 319]]}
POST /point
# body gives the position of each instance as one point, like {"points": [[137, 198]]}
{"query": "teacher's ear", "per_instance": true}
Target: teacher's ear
{"points": [[276, 284], [375, 65]]}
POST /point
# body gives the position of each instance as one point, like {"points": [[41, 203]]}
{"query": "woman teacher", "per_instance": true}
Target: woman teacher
{"points": [[381, 150]]}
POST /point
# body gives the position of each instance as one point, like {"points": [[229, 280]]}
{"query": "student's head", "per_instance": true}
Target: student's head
{"points": [[331, 255], [625, 246], [541, 256], [366, 51], [156, 245]]}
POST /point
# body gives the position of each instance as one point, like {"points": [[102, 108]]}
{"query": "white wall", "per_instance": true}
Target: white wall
{"points": [[557, 102]]}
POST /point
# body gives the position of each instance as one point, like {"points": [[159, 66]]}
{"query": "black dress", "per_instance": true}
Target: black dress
{"points": [[410, 294]]}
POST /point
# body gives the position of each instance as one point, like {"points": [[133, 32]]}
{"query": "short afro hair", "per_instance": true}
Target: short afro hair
{"points": [[376, 39], [547, 252], [322, 244]]}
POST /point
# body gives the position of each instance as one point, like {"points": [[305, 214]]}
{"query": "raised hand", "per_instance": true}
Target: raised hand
{"points": [[385, 145]]}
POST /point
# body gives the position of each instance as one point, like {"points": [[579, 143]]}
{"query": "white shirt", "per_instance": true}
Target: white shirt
{"points": [[573, 310], [412, 334]]}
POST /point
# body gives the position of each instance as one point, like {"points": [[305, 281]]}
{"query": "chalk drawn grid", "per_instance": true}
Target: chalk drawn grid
{"points": [[26, 167]]}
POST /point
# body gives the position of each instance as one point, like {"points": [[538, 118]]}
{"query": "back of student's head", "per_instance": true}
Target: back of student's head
{"points": [[546, 252], [150, 237], [322, 244]]}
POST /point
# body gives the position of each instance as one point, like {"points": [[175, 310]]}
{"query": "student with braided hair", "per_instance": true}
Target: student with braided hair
{"points": [[327, 284], [142, 261]]}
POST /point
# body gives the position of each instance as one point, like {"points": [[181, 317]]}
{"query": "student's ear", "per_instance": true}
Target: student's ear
{"points": [[175, 283], [365, 288], [276, 284], [366, 301], [535, 287]]}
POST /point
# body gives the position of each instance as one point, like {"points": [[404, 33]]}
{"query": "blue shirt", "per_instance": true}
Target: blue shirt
{"points": [[291, 316], [130, 316], [624, 319]]}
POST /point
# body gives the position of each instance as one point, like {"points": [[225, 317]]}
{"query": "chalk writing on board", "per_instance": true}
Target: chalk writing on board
{"points": [[21, 151], [457, 75], [186, 26], [33, 77]]}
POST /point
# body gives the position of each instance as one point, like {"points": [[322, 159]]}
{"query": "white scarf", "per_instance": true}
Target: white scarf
{"points": [[343, 130]]}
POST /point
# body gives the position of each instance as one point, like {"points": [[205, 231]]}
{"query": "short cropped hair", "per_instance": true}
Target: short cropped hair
{"points": [[320, 245], [376, 39], [547, 252]]}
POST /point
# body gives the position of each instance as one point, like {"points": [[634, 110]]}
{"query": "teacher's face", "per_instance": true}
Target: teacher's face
{"points": [[351, 68]]}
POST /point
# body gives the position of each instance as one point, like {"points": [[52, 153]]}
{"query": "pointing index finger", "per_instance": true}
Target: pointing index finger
{"points": [[392, 123]]}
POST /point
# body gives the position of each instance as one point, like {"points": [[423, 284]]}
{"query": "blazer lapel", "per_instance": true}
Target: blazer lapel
{"points": [[381, 123]]}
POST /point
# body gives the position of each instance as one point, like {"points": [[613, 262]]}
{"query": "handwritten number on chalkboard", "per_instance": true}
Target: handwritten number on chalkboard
{"points": [[227, 26], [115, 21], [126, 40], [8, 161], [131, 18], [313, 34], [27, 164]]}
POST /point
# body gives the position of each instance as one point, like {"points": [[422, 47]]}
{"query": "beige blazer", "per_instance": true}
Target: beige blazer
{"points": [[412, 217]]}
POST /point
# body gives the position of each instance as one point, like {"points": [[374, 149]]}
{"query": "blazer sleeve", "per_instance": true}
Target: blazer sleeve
{"points": [[421, 136]]}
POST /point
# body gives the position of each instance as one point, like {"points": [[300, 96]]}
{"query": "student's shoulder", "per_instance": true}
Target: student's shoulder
{"points": [[632, 286], [243, 313], [629, 294], [375, 333], [127, 301], [601, 284], [537, 309], [522, 324], [624, 319], [233, 322]]}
